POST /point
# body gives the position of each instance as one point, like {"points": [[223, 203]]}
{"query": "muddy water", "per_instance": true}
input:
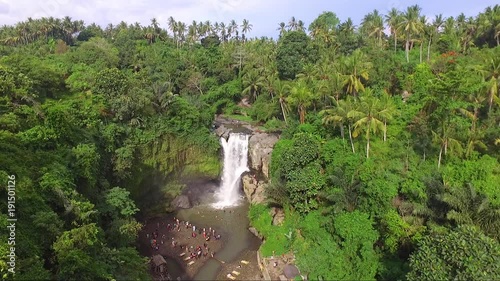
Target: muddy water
{"points": [[231, 223]]}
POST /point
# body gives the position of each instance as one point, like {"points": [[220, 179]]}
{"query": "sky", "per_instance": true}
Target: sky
{"points": [[264, 15]]}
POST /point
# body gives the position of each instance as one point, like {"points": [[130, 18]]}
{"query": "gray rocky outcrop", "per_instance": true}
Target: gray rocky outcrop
{"points": [[278, 215], [260, 147], [255, 232], [254, 190], [181, 201]]}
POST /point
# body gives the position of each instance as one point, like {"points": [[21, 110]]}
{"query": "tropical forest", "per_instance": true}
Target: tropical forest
{"points": [[373, 148]]}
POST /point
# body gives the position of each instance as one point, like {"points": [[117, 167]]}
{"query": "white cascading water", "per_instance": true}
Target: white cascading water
{"points": [[235, 163]]}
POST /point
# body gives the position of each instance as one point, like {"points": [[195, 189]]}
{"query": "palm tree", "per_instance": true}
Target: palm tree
{"points": [[467, 206], [208, 27], [436, 25], [232, 28], [246, 27], [347, 27], [172, 25], [446, 141], [292, 24], [301, 97], [216, 28], [181, 32], [355, 68], [373, 24], [339, 116], [497, 34], [223, 32], [253, 83], [489, 68], [411, 25], [281, 89], [281, 28], [393, 19], [301, 26], [162, 96], [387, 110], [426, 29], [367, 116]]}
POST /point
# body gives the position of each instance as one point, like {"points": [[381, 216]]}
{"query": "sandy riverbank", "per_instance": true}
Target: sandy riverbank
{"points": [[185, 244]]}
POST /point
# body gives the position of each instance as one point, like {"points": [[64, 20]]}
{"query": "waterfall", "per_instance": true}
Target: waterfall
{"points": [[235, 163]]}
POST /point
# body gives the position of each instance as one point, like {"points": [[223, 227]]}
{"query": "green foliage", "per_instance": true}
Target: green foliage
{"points": [[356, 232], [292, 53], [464, 253], [296, 164], [83, 110], [278, 239], [47, 78], [327, 21], [97, 53], [118, 199], [483, 174]]}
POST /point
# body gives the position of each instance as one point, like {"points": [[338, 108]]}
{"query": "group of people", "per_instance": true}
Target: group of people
{"points": [[178, 225]]}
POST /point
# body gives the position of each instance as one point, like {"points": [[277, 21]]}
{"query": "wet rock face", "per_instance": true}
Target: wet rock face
{"points": [[254, 190], [182, 202], [260, 147]]}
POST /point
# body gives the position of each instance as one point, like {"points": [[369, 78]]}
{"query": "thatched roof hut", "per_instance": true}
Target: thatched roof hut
{"points": [[159, 263]]}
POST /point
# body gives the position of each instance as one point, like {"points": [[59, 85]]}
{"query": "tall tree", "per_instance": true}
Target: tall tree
{"points": [[355, 69], [339, 116], [246, 27], [411, 25], [368, 117], [301, 97], [393, 19]]}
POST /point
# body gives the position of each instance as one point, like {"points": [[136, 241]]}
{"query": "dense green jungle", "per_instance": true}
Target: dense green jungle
{"points": [[387, 165]]}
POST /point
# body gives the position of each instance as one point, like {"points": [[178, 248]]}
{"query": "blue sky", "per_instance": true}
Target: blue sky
{"points": [[263, 14]]}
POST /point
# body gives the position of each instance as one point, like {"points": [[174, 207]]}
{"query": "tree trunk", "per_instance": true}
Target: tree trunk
{"points": [[429, 49], [490, 101], [350, 138], [395, 41], [407, 49], [421, 50], [342, 134], [476, 113], [440, 157], [283, 111], [368, 143], [302, 114], [385, 130]]}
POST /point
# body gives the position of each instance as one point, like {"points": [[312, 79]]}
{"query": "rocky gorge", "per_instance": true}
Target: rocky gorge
{"points": [[260, 148]]}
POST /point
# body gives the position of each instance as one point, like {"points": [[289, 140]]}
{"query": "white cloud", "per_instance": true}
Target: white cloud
{"points": [[104, 12]]}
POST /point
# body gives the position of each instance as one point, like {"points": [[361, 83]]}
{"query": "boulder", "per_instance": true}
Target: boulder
{"points": [[254, 190], [249, 186], [222, 132], [259, 195], [260, 147], [254, 231], [181, 201], [278, 215]]}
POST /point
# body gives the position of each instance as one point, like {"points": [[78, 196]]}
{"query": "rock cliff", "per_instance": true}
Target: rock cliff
{"points": [[260, 147]]}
